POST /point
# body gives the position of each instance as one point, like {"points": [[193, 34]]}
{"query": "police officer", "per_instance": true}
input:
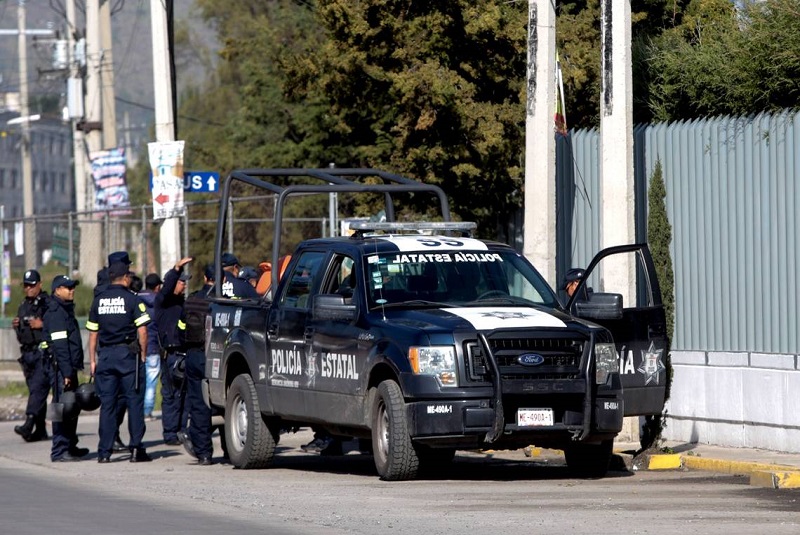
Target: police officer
{"points": [[232, 286], [168, 310], [118, 325], [208, 281], [197, 441], [34, 358], [66, 345], [102, 284]]}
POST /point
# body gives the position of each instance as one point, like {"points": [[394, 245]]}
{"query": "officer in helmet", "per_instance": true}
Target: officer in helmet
{"points": [[34, 359], [64, 339], [117, 328]]}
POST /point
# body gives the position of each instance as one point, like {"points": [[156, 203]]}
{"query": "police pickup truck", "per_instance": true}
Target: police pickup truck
{"points": [[424, 340]]}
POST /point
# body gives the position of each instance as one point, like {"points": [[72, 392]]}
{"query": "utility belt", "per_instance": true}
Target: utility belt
{"points": [[133, 346], [29, 348]]}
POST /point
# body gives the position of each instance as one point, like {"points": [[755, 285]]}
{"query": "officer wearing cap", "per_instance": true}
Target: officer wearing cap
{"points": [[232, 286], [168, 310], [102, 275], [64, 339], [34, 358], [117, 328]]}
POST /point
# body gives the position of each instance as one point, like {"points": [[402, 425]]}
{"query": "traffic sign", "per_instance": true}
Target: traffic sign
{"points": [[201, 181], [197, 181]]}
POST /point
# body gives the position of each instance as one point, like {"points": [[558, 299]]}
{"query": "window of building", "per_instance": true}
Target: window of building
{"points": [[14, 179], [2, 178]]}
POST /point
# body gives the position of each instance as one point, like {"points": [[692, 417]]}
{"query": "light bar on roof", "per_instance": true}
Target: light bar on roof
{"points": [[386, 226]]}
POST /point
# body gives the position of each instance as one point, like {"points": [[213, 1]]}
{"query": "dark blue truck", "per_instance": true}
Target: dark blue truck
{"points": [[423, 340]]}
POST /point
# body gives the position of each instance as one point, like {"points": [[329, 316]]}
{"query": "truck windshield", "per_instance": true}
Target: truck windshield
{"points": [[459, 278]]}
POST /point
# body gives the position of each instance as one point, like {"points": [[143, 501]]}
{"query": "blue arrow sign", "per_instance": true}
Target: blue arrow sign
{"points": [[198, 181]]}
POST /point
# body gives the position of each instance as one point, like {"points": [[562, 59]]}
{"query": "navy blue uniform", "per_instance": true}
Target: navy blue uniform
{"points": [[64, 339], [115, 316], [236, 288], [199, 413], [34, 360], [168, 310]]}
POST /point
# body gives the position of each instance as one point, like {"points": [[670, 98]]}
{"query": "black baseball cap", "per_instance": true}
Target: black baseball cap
{"points": [[117, 269], [63, 280], [31, 277], [208, 271], [228, 259], [185, 276], [119, 256], [152, 280], [574, 274]]}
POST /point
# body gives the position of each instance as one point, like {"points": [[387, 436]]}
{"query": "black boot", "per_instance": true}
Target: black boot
{"points": [[40, 431], [26, 430]]}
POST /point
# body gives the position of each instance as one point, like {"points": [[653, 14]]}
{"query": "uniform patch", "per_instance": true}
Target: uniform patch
{"points": [[142, 307]]}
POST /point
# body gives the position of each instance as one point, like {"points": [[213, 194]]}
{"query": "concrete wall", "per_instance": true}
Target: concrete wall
{"points": [[9, 348], [738, 399]]}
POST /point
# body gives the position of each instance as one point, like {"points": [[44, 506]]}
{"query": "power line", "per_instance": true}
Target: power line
{"points": [[151, 108]]}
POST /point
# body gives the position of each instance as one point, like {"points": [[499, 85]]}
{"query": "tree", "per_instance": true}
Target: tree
{"points": [[659, 237], [727, 58]]}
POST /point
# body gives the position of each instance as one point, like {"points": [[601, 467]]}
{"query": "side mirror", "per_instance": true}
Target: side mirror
{"points": [[600, 306], [332, 307]]}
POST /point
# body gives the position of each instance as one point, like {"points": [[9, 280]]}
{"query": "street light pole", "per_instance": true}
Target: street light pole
{"points": [[31, 260]]}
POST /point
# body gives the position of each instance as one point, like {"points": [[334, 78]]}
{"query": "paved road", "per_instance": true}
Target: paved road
{"points": [[481, 493]]}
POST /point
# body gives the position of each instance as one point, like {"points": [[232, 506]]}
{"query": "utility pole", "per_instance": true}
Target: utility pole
{"points": [[618, 225], [539, 241], [31, 256], [107, 77], [87, 246], [91, 245], [165, 121]]}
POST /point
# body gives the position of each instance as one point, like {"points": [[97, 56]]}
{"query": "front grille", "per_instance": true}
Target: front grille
{"points": [[561, 357]]}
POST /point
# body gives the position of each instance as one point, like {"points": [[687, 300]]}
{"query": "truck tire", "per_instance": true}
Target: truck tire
{"points": [[589, 460], [395, 457], [251, 444]]}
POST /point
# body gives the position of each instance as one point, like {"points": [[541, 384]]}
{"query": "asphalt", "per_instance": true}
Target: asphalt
{"points": [[765, 468]]}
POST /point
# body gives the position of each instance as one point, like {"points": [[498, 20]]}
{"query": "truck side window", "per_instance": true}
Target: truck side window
{"points": [[342, 278], [303, 276]]}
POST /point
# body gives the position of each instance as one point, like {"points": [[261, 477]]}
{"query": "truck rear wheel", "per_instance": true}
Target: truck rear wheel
{"points": [[250, 442], [589, 460], [395, 457]]}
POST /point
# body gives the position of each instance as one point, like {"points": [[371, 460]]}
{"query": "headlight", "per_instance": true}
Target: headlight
{"points": [[439, 361], [605, 362]]}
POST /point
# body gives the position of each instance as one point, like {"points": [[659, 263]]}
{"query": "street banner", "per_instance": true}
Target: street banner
{"points": [[166, 164], [110, 186]]}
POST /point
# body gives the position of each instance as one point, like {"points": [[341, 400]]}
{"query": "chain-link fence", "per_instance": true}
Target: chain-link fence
{"points": [[79, 242]]}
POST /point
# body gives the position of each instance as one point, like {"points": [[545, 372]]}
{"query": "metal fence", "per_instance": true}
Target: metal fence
{"points": [[732, 200]]}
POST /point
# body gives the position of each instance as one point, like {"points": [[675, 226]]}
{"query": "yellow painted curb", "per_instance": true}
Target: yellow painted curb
{"points": [[775, 479], [667, 461], [730, 467]]}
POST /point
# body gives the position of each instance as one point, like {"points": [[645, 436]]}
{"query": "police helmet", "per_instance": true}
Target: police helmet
{"points": [[87, 397]]}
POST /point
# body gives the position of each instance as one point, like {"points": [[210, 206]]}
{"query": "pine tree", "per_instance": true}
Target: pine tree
{"points": [[659, 236]]}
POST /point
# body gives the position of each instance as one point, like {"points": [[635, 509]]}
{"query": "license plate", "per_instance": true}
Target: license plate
{"points": [[534, 417]]}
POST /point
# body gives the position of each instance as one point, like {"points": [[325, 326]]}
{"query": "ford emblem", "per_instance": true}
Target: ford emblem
{"points": [[530, 359]]}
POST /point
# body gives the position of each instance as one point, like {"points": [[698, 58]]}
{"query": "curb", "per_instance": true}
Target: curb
{"points": [[761, 474]]}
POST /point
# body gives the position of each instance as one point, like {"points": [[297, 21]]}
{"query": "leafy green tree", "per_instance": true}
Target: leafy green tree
{"points": [[726, 58]]}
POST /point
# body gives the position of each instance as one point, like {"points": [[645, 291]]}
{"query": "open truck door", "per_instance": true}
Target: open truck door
{"points": [[636, 318]]}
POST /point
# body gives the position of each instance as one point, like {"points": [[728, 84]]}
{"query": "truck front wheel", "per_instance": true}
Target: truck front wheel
{"points": [[589, 460], [395, 457], [250, 442]]}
